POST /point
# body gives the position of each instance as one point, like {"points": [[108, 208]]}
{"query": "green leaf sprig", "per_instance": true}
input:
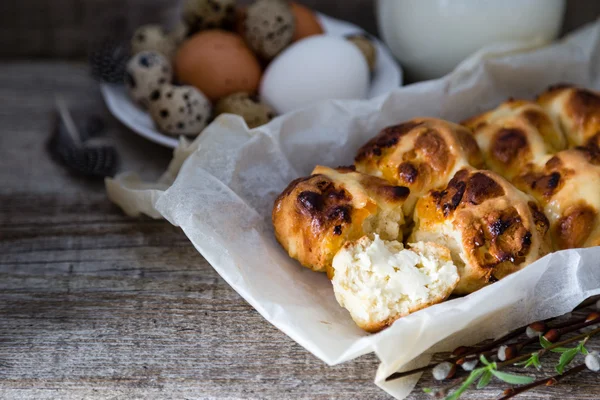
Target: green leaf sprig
{"points": [[490, 369], [567, 354], [484, 375]]}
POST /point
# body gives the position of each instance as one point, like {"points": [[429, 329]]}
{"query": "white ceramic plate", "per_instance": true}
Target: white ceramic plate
{"points": [[386, 77]]}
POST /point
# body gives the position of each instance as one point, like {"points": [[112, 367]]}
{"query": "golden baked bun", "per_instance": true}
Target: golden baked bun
{"points": [[421, 154], [525, 143], [576, 110], [515, 135], [314, 216], [567, 185], [491, 228]]}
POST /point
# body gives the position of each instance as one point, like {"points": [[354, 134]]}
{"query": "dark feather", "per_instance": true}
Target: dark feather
{"points": [[88, 153], [108, 61]]}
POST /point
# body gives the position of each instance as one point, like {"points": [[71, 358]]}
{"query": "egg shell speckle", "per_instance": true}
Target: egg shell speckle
{"points": [[146, 72], [269, 27], [316, 68], [153, 38], [254, 112], [180, 110], [208, 14]]}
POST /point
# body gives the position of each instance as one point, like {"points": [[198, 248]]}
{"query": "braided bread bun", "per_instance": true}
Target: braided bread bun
{"points": [[528, 150], [421, 154], [314, 216], [471, 226], [568, 186], [576, 110], [491, 228], [515, 135]]}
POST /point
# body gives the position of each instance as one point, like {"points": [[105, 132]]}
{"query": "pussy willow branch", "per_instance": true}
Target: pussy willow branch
{"points": [[456, 357], [541, 352], [551, 334], [551, 381], [490, 348], [486, 349], [526, 356], [569, 322]]}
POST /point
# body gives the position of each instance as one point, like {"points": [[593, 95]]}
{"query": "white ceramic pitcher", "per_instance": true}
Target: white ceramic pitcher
{"points": [[431, 37]]}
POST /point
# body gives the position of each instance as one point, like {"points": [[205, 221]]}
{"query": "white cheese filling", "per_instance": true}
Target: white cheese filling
{"points": [[377, 280]]}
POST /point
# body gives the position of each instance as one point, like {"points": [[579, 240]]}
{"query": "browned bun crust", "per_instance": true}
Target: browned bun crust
{"points": [[531, 152], [492, 228], [577, 111], [314, 216], [542, 192], [514, 135], [568, 185], [421, 154]]}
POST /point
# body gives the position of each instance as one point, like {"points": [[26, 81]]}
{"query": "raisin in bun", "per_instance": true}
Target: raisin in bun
{"points": [[421, 154], [316, 215], [515, 135], [491, 228], [567, 185], [576, 110]]}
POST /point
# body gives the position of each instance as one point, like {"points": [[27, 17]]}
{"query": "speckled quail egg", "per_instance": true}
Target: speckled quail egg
{"points": [[208, 14], [269, 27], [153, 38], [366, 46], [179, 110], [254, 112], [146, 72]]}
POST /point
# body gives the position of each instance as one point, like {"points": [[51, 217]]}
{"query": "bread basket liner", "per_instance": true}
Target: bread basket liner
{"points": [[220, 190]]}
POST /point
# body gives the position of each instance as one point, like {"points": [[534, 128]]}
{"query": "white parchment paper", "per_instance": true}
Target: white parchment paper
{"points": [[220, 190]]}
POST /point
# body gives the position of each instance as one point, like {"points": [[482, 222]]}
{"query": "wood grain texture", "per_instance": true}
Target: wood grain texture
{"points": [[96, 305]]}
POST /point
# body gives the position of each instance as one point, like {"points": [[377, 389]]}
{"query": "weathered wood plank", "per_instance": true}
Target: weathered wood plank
{"points": [[94, 304]]}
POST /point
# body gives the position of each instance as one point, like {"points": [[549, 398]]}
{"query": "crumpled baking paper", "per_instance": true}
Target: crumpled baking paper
{"points": [[220, 189]]}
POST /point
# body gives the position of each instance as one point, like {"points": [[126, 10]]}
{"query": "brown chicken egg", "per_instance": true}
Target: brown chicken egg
{"points": [[218, 63], [307, 23]]}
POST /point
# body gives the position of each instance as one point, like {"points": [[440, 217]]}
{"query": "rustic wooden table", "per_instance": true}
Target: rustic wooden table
{"points": [[97, 305]]}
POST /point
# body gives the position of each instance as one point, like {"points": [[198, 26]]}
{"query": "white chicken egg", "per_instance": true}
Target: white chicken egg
{"points": [[316, 68]]}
